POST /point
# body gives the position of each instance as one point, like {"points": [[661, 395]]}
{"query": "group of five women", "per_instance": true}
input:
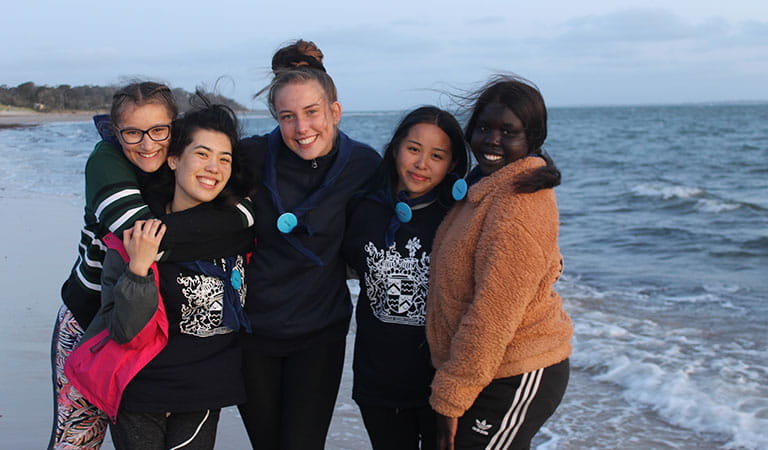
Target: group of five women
{"points": [[216, 267]]}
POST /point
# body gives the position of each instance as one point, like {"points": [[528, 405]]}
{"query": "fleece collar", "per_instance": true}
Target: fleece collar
{"points": [[503, 177]]}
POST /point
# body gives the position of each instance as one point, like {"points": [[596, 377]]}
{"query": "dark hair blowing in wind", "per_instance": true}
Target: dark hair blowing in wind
{"points": [[523, 98], [205, 115]]}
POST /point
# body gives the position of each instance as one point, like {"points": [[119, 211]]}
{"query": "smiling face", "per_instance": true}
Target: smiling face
{"points": [[498, 138], [202, 170], [147, 155], [423, 159], [307, 119]]}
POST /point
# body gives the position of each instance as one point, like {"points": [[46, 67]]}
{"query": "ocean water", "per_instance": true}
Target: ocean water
{"points": [[664, 213]]}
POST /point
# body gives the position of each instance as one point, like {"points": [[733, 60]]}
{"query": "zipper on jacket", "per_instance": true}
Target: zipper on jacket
{"points": [[314, 163]]}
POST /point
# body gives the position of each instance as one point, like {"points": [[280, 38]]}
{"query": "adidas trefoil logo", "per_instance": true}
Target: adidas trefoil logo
{"points": [[481, 426]]}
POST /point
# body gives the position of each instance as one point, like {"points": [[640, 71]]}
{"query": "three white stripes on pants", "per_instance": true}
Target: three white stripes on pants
{"points": [[515, 416]]}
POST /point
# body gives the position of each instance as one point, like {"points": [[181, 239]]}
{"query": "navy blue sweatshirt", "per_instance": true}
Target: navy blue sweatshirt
{"points": [[297, 292], [392, 365]]}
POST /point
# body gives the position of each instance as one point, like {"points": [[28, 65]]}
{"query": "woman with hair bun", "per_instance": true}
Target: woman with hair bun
{"points": [[298, 302], [497, 330]]}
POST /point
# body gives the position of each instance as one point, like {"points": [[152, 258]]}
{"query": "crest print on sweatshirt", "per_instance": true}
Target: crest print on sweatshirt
{"points": [[396, 285], [203, 313]]}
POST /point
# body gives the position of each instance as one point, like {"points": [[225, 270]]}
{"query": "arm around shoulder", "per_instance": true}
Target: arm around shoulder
{"points": [[112, 190]]}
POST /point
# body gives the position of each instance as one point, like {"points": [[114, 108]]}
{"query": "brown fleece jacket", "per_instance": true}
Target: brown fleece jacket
{"points": [[491, 311]]}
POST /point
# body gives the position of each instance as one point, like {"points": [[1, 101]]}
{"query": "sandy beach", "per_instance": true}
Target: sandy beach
{"points": [[24, 118], [38, 248]]}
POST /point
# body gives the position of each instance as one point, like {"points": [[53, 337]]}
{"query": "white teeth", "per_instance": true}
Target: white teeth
{"points": [[148, 155], [307, 140], [207, 181], [491, 157]]}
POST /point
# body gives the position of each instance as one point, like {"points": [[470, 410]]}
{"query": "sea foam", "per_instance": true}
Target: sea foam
{"points": [[672, 372], [666, 191]]}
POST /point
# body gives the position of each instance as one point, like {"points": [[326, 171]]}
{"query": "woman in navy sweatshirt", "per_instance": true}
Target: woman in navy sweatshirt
{"points": [[305, 172], [388, 243]]}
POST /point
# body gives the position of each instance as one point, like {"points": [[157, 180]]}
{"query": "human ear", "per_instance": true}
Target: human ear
{"points": [[336, 112], [172, 162]]}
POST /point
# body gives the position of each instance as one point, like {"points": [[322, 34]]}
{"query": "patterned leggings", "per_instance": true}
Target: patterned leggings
{"points": [[76, 423]]}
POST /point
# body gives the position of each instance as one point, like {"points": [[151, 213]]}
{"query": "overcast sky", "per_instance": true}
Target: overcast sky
{"points": [[393, 54]]}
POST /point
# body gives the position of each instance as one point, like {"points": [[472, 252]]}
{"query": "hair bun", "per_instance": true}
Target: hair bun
{"points": [[298, 54]]}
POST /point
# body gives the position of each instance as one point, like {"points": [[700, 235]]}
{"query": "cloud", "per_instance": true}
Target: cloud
{"points": [[487, 20], [642, 39], [407, 22], [635, 28], [634, 25], [751, 33], [384, 57]]}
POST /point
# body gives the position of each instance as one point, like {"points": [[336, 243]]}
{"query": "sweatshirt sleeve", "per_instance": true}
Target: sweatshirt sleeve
{"points": [[509, 265], [128, 301], [112, 189], [205, 222], [115, 196]]}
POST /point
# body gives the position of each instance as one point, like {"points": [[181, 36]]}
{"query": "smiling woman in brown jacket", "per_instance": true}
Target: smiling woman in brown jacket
{"points": [[497, 330]]}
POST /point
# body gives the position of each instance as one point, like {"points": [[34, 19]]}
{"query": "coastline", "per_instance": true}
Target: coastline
{"points": [[23, 118], [19, 118]]}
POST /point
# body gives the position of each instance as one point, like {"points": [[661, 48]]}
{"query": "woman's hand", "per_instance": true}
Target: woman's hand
{"points": [[142, 243], [446, 431]]}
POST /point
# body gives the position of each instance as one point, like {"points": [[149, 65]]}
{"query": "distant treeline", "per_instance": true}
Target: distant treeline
{"points": [[84, 98]]}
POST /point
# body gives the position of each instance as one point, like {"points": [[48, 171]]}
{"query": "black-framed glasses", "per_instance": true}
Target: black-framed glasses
{"points": [[157, 133]]}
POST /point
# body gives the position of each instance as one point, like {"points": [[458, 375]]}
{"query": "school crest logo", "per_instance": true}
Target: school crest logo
{"points": [[396, 285], [203, 313]]}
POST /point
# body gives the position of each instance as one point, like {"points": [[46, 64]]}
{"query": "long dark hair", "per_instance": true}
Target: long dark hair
{"points": [[523, 98], [444, 120], [205, 115]]}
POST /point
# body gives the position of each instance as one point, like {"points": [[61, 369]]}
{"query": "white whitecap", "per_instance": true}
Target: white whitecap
{"points": [[666, 191], [715, 206], [673, 372]]}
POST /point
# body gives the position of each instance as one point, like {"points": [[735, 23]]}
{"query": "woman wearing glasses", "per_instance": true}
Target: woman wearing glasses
{"points": [[115, 175], [170, 395]]}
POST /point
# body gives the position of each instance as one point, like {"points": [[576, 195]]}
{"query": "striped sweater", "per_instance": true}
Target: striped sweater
{"points": [[113, 202]]}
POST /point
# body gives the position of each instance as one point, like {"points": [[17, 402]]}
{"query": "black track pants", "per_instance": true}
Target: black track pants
{"points": [[509, 411], [400, 428]]}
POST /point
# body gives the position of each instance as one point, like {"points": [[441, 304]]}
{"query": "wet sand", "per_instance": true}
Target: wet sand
{"points": [[37, 250], [15, 119]]}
